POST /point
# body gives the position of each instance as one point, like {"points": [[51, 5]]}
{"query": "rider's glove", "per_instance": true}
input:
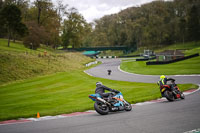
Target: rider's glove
{"points": [[113, 93], [116, 91]]}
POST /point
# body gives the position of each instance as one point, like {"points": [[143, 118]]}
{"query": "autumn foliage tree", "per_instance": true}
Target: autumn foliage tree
{"points": [[36, 35]]}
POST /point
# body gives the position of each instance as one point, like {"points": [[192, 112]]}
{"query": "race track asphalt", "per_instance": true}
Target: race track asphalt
{"points": [[116, 74], [163, 117]]}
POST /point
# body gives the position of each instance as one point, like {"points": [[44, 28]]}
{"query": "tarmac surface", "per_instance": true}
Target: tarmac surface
{"points": [[179, 116], [117, 74]]}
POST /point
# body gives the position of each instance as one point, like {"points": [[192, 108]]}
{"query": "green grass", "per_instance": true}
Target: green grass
{"points": [[15, 47], [65, 92], [18, 62], [189, 66], [188, 46], [18, 47], [54, 84], [21, 66], [159, 48]]}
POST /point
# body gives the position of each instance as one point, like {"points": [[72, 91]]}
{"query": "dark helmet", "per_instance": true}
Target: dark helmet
{"points": [[98, 84]]}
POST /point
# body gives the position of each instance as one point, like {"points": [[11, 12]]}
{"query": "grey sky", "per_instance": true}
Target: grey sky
{"points": [[95, 9]]}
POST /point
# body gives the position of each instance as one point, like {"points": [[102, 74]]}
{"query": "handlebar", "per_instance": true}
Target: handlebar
{"points": [[172, 80]]}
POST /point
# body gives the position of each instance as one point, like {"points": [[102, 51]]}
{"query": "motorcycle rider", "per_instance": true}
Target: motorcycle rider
{"points": [[100, 89], [163, 81]]}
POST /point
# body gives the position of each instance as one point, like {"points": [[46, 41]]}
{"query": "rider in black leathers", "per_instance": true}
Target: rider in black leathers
{"points": [[100, 89]]}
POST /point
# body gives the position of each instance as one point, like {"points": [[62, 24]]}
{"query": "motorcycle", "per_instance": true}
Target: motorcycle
{"points": [[171, 91], [103, 105]]}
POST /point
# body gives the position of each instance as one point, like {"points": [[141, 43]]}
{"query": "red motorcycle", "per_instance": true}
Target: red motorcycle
{"points": [[171, 91]]}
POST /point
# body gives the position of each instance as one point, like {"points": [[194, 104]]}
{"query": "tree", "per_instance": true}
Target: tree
{"points": [[1, 4], [194, 24], [2, 27], [182, 28], [10, 17], [74, 29], [42, 7], [46, 15], [35, 36], [61, 9]]}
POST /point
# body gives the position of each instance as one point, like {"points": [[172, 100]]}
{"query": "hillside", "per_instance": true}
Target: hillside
{"points": [[18, 62]]}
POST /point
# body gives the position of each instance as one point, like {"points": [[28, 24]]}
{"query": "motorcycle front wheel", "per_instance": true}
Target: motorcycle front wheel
{"points": [[182, 95], [101, 108], [128, 106]]}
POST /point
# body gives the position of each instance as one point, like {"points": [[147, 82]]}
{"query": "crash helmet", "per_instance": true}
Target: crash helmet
{"points": [[162, 76], [98, 83]]}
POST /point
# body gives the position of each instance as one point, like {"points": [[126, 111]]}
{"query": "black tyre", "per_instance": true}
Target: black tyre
{"points": [[182, 95], [128, 106], [101, 108], [169, 96]]}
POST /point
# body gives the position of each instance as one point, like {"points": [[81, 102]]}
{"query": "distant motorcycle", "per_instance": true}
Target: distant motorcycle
{"points": [[171, 91], [103, 106]]}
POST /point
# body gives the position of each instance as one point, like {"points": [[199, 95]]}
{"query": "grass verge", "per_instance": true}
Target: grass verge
{"points": [[65, 92], [189, 66]]}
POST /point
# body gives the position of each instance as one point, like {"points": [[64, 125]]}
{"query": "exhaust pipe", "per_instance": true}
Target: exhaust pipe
{"points": [[103, 101], [100, 99]]}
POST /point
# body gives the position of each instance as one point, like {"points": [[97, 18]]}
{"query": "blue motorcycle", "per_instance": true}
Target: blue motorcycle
{"points": [[104, 105]]}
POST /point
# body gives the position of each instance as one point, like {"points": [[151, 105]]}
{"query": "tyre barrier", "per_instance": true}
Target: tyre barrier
{"points": [[129, 56], [145, 59], [171, 61], [104, 57], [91, 63]]}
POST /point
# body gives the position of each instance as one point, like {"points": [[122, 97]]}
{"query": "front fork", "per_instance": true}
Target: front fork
{"points": [[125, 102]]}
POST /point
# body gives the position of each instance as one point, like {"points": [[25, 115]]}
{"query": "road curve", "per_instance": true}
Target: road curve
{"points": [[164, 117], [113, 65]]}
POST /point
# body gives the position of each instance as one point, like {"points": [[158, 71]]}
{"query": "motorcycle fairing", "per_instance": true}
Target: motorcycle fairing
{"points": [[94, 96], [120, 100]]}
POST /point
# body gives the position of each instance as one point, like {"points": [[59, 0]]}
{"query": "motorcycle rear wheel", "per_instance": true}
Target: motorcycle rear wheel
{"points": [[169, 96], [101, 108]]}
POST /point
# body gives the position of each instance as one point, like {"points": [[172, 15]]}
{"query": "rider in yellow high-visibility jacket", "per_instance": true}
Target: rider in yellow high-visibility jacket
{"points": [[163, 80]]}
